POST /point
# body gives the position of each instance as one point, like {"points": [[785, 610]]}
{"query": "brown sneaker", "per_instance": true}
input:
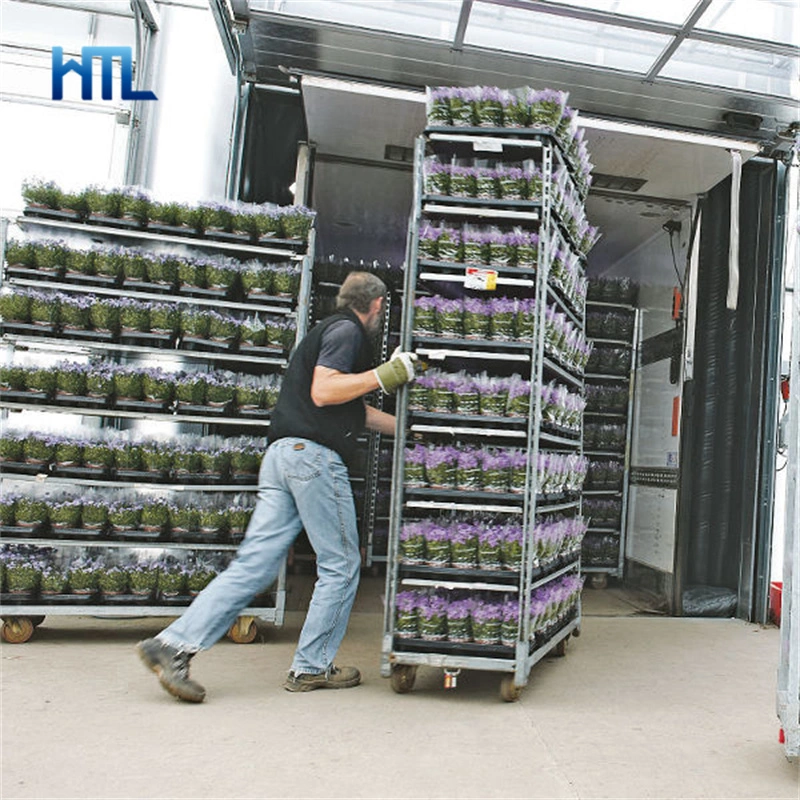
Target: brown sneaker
{"points": [[333, 678], [172, 668]]}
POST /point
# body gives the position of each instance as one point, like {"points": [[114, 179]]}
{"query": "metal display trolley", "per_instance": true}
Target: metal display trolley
{"points": [[22, 613], [612, 325], [526, 355]]}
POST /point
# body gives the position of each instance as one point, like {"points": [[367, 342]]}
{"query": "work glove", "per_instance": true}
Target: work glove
{"points": [[396, 372]]}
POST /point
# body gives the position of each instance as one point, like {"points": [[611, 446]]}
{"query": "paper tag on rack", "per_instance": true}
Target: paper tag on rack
{"points": [[484, 280], [488, 146]]}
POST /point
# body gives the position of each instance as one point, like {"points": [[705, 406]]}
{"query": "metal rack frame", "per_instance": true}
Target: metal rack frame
{"points": [[601, 573], [17, 615], [515, 662]]}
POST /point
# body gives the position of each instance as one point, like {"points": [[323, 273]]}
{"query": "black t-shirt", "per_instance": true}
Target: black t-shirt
{"points": [[340, 347]]}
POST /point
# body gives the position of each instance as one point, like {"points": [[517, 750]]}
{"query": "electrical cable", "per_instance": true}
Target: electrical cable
{"points": [[675, 260]]}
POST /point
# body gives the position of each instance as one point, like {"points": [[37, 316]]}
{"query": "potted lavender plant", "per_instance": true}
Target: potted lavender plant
{"points": [[464, 545], [496, 468], [198, 576], [406, 619], [12, 448], [469, 471], [94, 515], [54, 581], [432, 616], [503, 318], [459, 621], [65, 515], [155, 517], [143, 579], [490, 546], [466, 395], [412, 543], [414, 473], [487, 620], [509, 626], [31, 513], [84, 575], [125, 516], [440, 467], [112, 580], [437, 543], [171, 580]]}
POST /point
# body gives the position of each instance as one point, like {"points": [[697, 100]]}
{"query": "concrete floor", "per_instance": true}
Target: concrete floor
{"points": [[642, 707]]}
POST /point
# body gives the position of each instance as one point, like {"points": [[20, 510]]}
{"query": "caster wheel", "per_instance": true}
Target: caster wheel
{"points": [[509, 691], [403, 677], [599, 580], [17, 630], [244, 630], [37, 620], [576, 633], [560, 650]]}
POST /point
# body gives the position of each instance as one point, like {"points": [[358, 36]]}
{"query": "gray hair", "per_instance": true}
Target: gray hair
{"points": [[359, 290]]}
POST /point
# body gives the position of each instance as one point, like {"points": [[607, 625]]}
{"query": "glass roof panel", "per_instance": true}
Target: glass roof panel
{"points": [[674, 12], [428, 19], [577, 41], [735, 68], [770, 20]]}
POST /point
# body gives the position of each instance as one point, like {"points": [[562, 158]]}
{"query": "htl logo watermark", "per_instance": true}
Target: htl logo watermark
{"points": [[84, 69]]}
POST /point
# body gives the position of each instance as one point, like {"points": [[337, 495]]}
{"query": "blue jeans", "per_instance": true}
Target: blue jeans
{"points": [[301, 485]]}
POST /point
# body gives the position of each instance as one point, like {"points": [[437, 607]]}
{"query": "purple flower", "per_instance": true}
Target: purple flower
{"points": [[459, 609], [487, 612], [430, 606], [406, 601]]}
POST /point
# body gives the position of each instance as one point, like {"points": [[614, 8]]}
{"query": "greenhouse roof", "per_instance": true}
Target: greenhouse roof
{"points": [[710, 65]]}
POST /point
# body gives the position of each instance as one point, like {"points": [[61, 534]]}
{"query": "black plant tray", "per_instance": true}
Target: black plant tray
{"points": [[21, 531], [246, 479], [254, 296], [148, 286], [258, 350], [227, 236], [90, 336], [221, 293], [472, 496], [65, 599], [16, 396], [208, 411], [64, 399], [235, 538], [81, 279], [23, 468], [116, 222], [171, 230], [127, 599], [90, 473], [125, 404], [17, 599], [453, 573], [28, 328], [197, 537], [197, 343], [77, 533], [140, 476], [197, 477], [32, 273], [454, 648], [134, 535], [253, 413], [51, 213], [175, 600], [147, 339]]}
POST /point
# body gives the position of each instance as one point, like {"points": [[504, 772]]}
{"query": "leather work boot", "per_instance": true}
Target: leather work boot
{"points": [[332, 678], [172, 668]]}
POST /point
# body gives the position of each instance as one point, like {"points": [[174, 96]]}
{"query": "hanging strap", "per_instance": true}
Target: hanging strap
{"points": [[733, 252]]}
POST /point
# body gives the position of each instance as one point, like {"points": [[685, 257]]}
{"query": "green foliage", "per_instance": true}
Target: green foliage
{"points": [[42, 193]]}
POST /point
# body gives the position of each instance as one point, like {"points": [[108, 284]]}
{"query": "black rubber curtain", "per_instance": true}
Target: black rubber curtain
{"points": [[727, 433]]}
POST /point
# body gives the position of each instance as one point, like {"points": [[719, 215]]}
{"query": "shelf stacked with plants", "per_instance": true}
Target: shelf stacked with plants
{"points": [[486, 522], [45, 575], [215, 294], [186, 461], [612, 325], [132, 208], [95, 516], [105, 388]]}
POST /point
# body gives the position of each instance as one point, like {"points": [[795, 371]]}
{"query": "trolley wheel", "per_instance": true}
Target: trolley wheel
{"points": [[244, 630], [37, 620], [577, 632], [17, 630], [599, 580], [403, 677], [509, 691], [560, 650]]}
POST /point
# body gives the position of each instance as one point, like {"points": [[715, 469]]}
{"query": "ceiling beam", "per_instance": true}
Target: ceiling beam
{"points": [[461, 28], [676, 42]]}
